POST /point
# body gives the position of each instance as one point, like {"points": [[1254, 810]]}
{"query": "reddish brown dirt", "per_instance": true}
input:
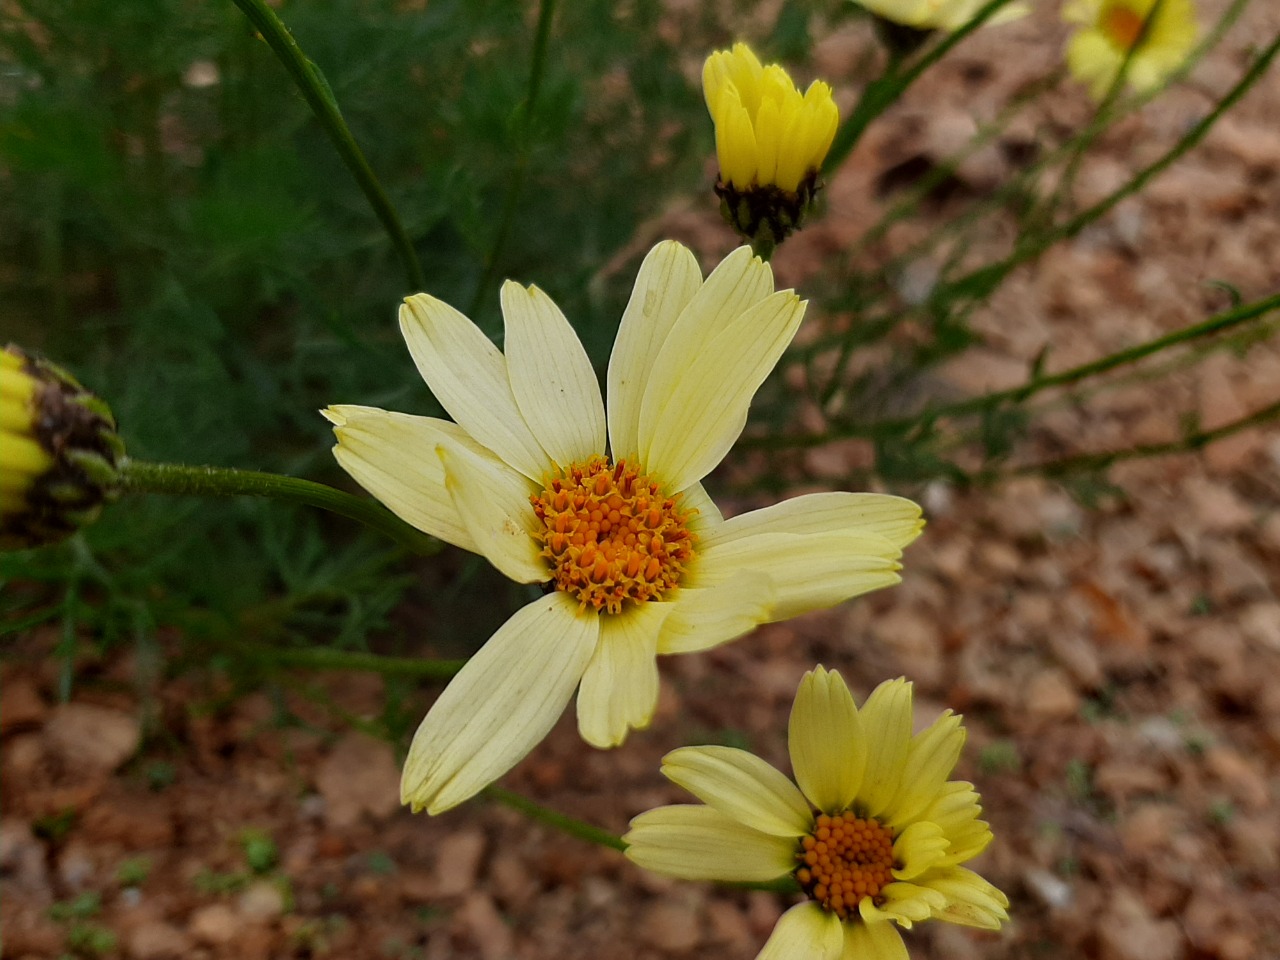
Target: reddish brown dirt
{"points": [[1119, 668]]}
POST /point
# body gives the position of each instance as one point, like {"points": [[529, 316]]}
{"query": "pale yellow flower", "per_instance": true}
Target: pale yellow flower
{"points": [[59, 452], [767, 133], [1111, 28], [945, 15], [874, 834], [636, 558]]}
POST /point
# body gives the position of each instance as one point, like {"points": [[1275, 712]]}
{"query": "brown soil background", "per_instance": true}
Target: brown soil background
{"points": [[1119, 668]]}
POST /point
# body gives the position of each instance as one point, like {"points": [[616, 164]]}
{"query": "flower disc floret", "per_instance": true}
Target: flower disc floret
{"points": [[611, 535], [844, 860]]}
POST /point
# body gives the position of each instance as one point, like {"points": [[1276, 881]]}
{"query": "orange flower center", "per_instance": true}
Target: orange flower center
{"points": [[611, 535], [845, 859], [1121, 25]]}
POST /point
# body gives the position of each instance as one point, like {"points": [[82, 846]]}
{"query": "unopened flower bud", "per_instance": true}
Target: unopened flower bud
{"points": [[770, 143], [59, 452]]}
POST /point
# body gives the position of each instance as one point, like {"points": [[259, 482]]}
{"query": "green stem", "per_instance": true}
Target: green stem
{"points": [[1088, 462], [325, 658], [319, 95], [142, 477], [899, 426], [979, 283], [882, 92], [563, 822], [515, 185]]}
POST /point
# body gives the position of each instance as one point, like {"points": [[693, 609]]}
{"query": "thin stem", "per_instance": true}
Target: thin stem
{"points": [[325, 658], [316, 89], [143, 477], [980, 282], [1088, 462], [515, 185], [561, 821], [898, 426]]}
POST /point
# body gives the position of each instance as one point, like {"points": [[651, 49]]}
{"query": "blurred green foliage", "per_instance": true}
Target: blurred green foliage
{"points": [[180, 232]]}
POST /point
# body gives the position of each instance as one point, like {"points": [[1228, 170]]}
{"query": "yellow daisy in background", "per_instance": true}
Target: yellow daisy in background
{"points": [[770, 141], [636, 558], [945, 15], [874, 834], [1110, 29]]}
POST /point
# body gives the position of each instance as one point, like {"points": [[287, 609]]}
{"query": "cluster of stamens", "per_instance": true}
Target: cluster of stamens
{"points": [[611, 535], [845, 859]]}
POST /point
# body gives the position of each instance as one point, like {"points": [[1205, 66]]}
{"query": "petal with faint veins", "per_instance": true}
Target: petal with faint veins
{"points": [[873, 941], [468, 375], [620, 687], [393, 456], [493, 501], [894, 518], [702, 618], [805, 932], [693, 842], [886, 724], [826, 742], [741, 786], [809, 571], [668, 279], [551, 376], [705, 407], [505, 700]]}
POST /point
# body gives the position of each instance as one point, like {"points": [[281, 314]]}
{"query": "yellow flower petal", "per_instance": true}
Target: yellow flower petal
{"points": [[493, 501], [468, 375], [742, 787], [23, 459], [693, 842], [886, 724], [393, 456], [894, 518], [971, 900], [668, 279], [919, 847], [826, 741], [873, 941], [805, 932], [706, 617], [551, 376], [931, 757], [706, 408], [955, 809], [739, 283], [503, 701], [620, 687], [809, 572], [904, 903]]}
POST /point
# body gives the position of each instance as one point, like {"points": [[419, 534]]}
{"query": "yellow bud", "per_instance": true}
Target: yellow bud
{"points": [[59, 452]]}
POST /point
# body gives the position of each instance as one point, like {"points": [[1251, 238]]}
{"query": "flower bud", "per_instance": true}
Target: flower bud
{"points": [[770, 143], [59, 452]]}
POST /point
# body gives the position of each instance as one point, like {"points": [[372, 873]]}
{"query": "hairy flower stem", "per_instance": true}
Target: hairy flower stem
{"points": [[318, 94], [143, 477]]}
